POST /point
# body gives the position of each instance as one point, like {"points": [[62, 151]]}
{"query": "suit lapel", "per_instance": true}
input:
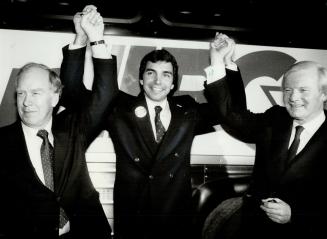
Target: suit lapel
{"points": [[168, 143], [26, 167], [281, 137], [62, 155], [141, 117], [317, 141]]}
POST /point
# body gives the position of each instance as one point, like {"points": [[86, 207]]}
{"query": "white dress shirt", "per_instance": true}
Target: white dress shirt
{"points": [[165, 114], [33, 143], [310, 128], [217, 72]]}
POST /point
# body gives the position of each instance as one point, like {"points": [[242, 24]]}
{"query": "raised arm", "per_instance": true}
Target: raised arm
{"points": [[225, 92], [91, 104]]}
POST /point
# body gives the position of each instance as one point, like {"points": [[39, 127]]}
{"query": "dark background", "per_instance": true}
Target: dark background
{"points": [[285, 23]]}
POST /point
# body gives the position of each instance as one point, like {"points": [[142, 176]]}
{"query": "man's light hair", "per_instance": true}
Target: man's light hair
{"points": [[53, 76], [306, 65]]}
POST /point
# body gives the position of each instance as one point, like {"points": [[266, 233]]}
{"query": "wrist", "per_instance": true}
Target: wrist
{"points": [[99, 42], [95, 38], [80, 40]]}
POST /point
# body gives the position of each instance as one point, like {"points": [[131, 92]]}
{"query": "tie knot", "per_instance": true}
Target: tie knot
{"points": [[158, 109], [298, 130], [42, 133]]}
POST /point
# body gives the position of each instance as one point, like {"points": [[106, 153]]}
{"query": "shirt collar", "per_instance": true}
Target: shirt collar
{"points": [[31, 132], [151, 104], [314, 124]]}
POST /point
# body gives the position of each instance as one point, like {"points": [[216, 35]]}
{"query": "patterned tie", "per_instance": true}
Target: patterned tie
{"points": [[160, 129], [47, 165], [295, 144]]}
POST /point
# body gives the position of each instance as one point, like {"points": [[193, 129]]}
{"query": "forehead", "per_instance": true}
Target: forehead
{"points": [[303, 78], [159, 65], [34, 78]]}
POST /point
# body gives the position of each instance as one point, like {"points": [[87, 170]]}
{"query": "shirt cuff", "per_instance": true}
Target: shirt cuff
{"points": [[73, 46], [232, 66], [215, 73]]}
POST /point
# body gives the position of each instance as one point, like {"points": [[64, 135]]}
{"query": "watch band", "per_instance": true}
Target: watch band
{"points": [[93, 43]]}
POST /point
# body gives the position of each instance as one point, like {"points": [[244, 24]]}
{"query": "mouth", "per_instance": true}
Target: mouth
{"points": [[296, 107], [157, 89], [29, 111]]}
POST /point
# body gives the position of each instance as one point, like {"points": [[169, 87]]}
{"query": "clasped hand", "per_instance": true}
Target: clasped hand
{"points": [[277, 210]]}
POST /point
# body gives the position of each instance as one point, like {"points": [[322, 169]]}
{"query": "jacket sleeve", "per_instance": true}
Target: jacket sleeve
{"points": [[228, 103], [71, 75], [90, 106]]}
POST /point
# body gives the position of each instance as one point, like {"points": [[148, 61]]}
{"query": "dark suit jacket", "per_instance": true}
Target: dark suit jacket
{"points": [[28, 208], [299, 183], [152, 192]]}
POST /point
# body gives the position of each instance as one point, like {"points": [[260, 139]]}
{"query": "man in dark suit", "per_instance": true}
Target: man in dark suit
{"points": [[46, 188], [152, 192], [286, 198]]}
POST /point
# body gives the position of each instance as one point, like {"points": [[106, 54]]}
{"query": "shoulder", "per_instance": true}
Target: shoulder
{"points": [[9, 128], [184, 100], [124, 99], [123, 102], [277, 109], [277, 113], [9, 133]]}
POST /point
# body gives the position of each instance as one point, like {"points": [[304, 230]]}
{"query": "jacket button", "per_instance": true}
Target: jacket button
{"points": [[151, 177], [137, 160]]}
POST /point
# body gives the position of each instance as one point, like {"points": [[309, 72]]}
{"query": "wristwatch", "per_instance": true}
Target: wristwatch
{"points": [[93, 43]]}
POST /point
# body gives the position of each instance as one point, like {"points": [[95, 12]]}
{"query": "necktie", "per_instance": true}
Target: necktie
{"points": [[47, 165], [160, 129], [295, 144]]}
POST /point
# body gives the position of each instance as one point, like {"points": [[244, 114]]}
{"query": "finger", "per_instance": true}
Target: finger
{"points": [[99, 21], [89, 8], [220, 44], [267, 200], [88, 16], [269, 209], [93, 17], [78, 15], [220, 37], [274, 218]]}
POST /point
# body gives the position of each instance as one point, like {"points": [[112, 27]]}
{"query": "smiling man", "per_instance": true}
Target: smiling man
{"points": [[46, 190], [285, 199], [36, 97], [152, 135]]}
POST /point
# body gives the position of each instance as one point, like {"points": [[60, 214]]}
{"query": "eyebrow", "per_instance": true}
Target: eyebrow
{"points": [[166, 72]]}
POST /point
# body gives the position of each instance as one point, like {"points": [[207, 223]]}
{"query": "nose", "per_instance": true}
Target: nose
{"points": [[157, 80], [27, 100], [294, 95]]}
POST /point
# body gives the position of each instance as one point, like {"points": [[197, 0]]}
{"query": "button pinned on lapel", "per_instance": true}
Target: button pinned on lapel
{"points": [[151, 177], [137, 160], [176, 155], [140, 112], [171, 175]]}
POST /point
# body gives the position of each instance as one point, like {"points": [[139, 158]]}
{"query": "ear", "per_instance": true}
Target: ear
{"points": [[55, 99]]}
